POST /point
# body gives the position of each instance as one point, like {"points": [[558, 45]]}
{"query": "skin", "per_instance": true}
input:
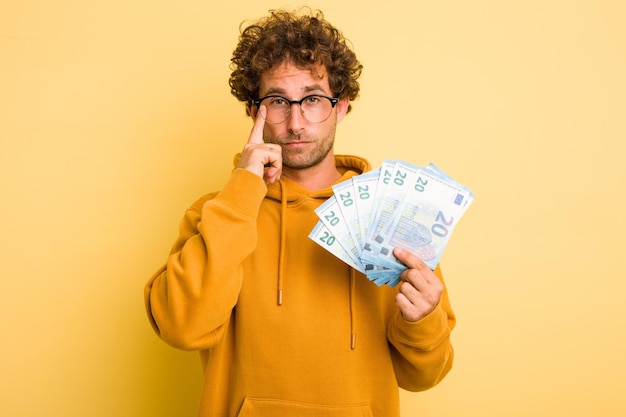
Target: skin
{"points": [[295, 149], [303, 152], [420, 291]]}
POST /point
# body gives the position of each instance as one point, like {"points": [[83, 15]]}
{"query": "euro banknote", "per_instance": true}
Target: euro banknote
{"points": [[396, 205]]}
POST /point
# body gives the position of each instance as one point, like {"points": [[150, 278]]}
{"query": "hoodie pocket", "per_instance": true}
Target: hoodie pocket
{"points": [[255, 407]]}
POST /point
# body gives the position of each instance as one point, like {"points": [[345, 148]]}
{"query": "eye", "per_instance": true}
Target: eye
{"points": [[277, 102], [313, 99]]}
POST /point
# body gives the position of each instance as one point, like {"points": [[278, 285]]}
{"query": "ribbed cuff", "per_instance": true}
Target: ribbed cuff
{"points": [[424, 334]]}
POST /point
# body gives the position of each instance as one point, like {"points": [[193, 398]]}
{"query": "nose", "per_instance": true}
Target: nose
{"points": [[296, 120]]}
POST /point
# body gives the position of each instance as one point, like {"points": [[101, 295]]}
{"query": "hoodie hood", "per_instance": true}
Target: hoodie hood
{"points": [[347, 165]]}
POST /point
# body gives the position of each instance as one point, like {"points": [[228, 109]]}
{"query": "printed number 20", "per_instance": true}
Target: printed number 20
{"points": [[328, 238], [440, 229]]}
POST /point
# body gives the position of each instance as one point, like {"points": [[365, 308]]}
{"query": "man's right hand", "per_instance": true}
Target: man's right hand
{"points": [[258, 157]]}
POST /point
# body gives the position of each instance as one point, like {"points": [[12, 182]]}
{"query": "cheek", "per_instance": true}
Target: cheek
{"points": [[271, 132], [328, 130]]}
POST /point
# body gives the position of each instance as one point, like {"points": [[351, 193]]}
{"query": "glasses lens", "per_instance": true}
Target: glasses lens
{"points": [[314, 108], [278, 109]]}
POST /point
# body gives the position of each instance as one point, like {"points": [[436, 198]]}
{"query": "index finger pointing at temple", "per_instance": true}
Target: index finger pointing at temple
{"points": [[256, 135]]}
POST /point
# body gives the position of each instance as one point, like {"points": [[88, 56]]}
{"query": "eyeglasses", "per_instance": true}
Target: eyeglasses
{"points": [[315, 108]]}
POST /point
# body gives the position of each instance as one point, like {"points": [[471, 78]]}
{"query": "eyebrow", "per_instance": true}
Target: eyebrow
{"points": [[307, 89]]}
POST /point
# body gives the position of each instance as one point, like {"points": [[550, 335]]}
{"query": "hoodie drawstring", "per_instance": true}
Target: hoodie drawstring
{"points": [[352, 308], [283, 235], [281, 266]]}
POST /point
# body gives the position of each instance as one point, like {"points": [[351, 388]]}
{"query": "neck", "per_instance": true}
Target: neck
{"points": [[316, 177]]}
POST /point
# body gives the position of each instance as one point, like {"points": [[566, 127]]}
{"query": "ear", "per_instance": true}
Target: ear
{"points": [[252, 111], [342, 108]]}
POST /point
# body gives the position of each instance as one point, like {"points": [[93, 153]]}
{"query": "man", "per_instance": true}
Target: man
{"points": [[283, 327]]}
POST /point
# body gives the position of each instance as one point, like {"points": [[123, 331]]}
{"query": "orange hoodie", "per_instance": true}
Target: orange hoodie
{"points": [[283, 327]]}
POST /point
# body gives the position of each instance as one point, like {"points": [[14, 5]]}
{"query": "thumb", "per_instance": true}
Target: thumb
{"points": [[409, 259]]}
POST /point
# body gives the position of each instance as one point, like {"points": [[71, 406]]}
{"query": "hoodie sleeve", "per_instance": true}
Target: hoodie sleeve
{"points": [[421, 351], [189, 300]]}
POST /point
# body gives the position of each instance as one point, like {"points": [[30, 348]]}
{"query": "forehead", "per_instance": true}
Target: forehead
{"points": [[289, 79]]}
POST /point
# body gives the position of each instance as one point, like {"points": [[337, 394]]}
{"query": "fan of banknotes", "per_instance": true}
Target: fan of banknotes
{"points": [[395, 205]]}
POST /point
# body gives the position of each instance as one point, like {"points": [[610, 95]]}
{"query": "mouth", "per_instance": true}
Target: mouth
{"points": [[296, 144]]}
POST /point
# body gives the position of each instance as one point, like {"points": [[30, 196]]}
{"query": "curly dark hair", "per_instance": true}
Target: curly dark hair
{"points": [[302, 37]]}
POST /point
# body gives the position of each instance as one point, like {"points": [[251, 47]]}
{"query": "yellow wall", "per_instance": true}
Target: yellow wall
{"points": [[116, 114]]}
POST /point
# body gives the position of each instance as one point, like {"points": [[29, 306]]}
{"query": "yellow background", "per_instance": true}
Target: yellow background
{"points": [[115, 115]]}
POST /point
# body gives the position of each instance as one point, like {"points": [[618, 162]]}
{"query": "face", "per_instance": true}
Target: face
{"points": [[303, 144]]}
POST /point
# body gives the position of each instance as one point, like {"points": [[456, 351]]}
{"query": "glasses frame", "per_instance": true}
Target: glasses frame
{"points": [[333, 103]]}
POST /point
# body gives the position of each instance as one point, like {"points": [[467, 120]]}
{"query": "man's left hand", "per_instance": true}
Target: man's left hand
{"points": [[420, 290]]}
